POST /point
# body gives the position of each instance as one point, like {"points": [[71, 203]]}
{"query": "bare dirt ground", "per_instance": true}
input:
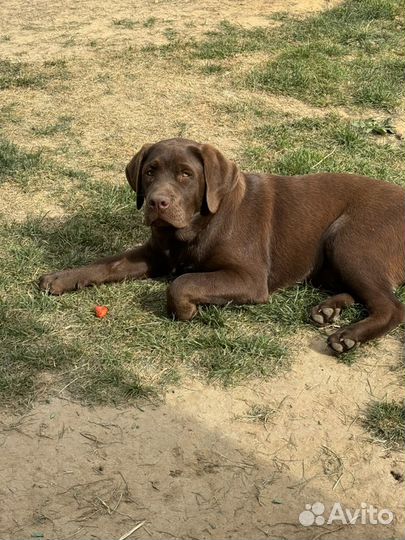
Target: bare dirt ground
{"points": [[194, 466]]}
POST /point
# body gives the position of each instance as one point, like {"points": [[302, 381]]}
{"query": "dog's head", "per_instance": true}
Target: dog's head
{"points": [[177, 179]]}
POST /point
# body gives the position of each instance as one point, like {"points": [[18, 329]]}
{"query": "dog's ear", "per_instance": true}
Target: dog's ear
{"points": [[133, 173], [220, 176]]}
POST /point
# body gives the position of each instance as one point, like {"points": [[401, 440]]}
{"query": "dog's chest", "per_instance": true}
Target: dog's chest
{"points": [[186, 258]]}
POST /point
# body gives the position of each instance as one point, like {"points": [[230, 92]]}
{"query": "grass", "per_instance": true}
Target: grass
{"points": [[62, 125], [259, 413], [127, 24], [8, 114], [386, 421], [31, 171], [170, 34], [15, 162], [349, 55], [150, 22], [209, 69], [331, 143], [18, 74], [24, 75], [230, 40], [231, 357], [322, 76]]}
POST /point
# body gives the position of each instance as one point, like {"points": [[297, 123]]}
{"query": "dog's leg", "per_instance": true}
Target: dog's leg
{"points": [[221, 287], [366, 252], [385, 313], [328, 311], [136, 263]]}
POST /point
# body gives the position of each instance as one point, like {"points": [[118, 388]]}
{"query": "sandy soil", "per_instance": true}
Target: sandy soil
{"points": [[196, 466]]}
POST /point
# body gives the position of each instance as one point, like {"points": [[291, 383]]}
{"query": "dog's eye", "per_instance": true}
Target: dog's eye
{"points": [[149, 172], [186, 174]]}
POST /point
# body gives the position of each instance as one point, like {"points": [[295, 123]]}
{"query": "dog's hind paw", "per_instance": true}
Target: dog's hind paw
{"points": [[324, 315], [340, 342]]}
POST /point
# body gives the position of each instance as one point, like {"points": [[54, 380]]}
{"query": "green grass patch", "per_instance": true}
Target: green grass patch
{"points": [[150, 22], [230, 40], [170, 34], [209, 69], [314, 74], [23, 74], [8, 114], [17, 74], [231, 358], [386, 422], [16, 163], [33, 170], [350, 54], [62, 125], [127, 24], [284, 145]]}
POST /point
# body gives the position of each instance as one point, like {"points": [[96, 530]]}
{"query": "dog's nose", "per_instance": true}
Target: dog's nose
{"points": [[160, 202]]}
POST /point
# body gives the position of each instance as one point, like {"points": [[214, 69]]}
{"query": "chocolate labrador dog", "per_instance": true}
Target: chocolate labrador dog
{"points": [[238, 237]]}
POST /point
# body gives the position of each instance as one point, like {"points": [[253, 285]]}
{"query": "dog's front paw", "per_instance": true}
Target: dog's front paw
{"points": [[60, 282], [178, 306], [342, 341], [184, 311], [52, 283]]}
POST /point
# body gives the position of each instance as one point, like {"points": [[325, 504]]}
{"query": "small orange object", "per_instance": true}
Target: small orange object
{"points": [[101, 311]]}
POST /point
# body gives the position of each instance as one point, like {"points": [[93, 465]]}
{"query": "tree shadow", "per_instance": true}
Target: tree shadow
{"points": [[98, 228]]}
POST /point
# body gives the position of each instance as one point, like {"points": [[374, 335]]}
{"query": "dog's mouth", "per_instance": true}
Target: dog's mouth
{"points": [[184, 231], [159, 223], [163, 221]]}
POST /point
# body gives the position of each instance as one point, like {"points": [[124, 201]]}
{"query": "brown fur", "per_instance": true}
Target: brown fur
{"points": [[238, 237]]}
